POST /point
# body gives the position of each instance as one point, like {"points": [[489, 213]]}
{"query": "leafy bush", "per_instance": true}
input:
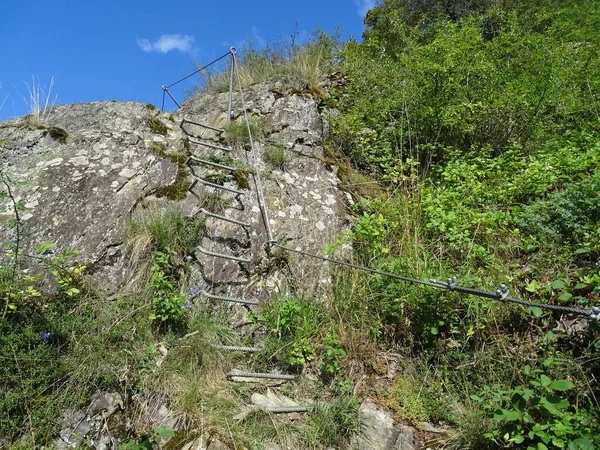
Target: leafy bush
{"points": [[566, 215], [418, 90], [540, 415]]}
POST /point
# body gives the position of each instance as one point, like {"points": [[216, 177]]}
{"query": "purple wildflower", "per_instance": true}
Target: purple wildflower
{"points": [[194, 290], [45, 335], [187, 306]]}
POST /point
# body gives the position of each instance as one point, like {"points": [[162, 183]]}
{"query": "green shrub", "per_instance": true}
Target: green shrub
{"points": [[540, 414], [276, 157], [566, 215]]}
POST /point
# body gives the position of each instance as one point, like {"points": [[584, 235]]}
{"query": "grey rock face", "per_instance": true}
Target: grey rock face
{"points": [[81, 424], [305, 209], [80, 194], [379, 432]]}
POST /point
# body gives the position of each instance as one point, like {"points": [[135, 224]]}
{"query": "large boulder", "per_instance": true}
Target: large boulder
{"points": [[89, 168]]}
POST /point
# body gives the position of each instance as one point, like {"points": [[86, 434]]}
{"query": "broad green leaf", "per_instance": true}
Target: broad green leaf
{"points": [[545, 381], [581, 444], [565, 297], [164, 432], [558, 284], [533, 286], [561, 385], [518, 402], [512, 415], [518, 439]]}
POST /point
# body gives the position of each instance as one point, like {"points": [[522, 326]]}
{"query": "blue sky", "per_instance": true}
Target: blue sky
{"points": [[127, 49]]}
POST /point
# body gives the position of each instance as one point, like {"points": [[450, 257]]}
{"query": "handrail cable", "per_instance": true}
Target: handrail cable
{"points": [[501, 294]]}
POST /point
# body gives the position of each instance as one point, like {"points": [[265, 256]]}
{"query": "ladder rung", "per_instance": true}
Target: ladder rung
{"points": [[210, 127], [275, 376], [217, 186], [236, 348], [286, 409], [227, 219], [210, 163], [221, 255], [250, 301], [208, 144]]}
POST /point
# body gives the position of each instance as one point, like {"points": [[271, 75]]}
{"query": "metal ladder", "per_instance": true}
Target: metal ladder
{"points": [[238, 194]]}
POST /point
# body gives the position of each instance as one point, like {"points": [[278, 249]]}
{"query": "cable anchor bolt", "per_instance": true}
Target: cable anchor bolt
{"points": [[451, 283], [595, 314], [502, 292]]}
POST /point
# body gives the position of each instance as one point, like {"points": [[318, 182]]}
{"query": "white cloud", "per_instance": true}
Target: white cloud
{"points": [[363, 6], [167, 42]]}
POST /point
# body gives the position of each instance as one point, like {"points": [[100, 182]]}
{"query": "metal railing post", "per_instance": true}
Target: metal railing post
{"points": [[233, 51]]}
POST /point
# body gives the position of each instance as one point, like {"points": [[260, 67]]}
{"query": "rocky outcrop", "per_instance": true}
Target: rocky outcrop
{"points": [[378, 431], [80, 187], [80, 193]]}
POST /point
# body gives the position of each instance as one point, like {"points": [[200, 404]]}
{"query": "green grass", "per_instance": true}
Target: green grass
{"points": [[213, 202], [276, 157], [299, 65], [156, 125], [240, 134], [167, 231]]}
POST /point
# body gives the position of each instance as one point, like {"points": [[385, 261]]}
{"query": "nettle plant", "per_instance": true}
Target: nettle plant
{"points": [[538, 415], [168, 303]]}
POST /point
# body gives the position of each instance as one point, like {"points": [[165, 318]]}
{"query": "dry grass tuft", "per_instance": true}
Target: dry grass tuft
{"points": [[41, 100]]}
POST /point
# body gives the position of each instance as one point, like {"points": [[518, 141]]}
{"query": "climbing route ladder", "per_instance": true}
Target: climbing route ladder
{"points": [[245, 260], [220, 183]]}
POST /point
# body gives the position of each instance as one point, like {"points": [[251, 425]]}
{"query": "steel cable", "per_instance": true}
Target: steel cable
{"points": [[200, 69], [451, 284], [500, 295]]}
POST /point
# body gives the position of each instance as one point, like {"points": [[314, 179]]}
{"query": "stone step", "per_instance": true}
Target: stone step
{"points": [[225, 298], [208, 144], [221, 255], [272, 376], [227, 219]]}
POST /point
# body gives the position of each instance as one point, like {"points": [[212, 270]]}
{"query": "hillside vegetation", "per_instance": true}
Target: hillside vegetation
{"points": [[468, 134], [479, 120]]}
